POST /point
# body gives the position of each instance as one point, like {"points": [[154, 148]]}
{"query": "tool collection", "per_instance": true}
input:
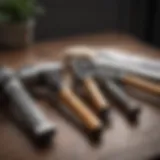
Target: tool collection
{"points": [[86, 72]]}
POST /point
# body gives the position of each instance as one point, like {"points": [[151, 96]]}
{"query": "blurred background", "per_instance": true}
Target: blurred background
{"points": [[137, 17], [63, 18]]}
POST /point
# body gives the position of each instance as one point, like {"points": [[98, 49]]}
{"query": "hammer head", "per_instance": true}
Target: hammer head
{"points": [[79, 60], [82, 68]]}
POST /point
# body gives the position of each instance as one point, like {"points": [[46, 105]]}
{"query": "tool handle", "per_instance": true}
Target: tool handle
{"points": [[128, 105], [80, 109], [95, 94], [26, 111], [142, 84]]}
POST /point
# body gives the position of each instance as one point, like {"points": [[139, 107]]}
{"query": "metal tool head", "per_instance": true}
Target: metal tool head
{"points": [[133, 69], [106, 73], [82, 67], [30, 74], [79, 60]]}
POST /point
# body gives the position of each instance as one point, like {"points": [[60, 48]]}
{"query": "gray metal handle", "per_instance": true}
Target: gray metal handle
{"points": [[128, 105], [25, 110]]}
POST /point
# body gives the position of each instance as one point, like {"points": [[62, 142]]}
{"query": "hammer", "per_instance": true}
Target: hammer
{"points": [[24, 109], [51, 76], [83, 69]]}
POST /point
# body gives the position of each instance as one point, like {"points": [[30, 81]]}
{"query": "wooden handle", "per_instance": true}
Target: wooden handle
{"points": [[142, 84], [95, 94], [90, 120]]}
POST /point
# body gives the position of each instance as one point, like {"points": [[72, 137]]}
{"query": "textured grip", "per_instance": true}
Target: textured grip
{"points": [[98, 100], [142, 84], [25, 111], [128, 105], [91, 122]]}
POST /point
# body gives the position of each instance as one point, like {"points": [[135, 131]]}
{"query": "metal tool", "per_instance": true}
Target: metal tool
{"points": [[128, 105], [51, 76], [126, 59], [134, 76], [131, 79], [83, 70], [136, 70], [24, 109]]}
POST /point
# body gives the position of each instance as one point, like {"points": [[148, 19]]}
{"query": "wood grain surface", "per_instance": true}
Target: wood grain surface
{"points": [[120, 140]]}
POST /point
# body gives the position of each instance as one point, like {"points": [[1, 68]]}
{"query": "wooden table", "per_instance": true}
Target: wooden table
{"points": [[121, 141]]}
